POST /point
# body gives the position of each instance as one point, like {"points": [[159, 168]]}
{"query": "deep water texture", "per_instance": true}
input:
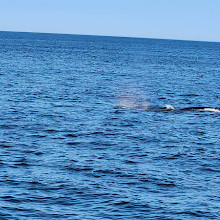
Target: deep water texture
{"points": [[66, 152]]}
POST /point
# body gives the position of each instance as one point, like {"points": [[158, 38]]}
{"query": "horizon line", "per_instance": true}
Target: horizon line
{"points": [[116, 36]]}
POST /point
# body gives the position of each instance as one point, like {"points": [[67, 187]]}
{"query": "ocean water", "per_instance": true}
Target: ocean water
{"points": [[68, 152]]}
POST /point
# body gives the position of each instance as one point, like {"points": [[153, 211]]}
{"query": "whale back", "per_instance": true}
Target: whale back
{"points": [[208, 109]]}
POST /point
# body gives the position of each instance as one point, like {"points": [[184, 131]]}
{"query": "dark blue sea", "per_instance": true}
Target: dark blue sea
{"points": [[67, 149]]}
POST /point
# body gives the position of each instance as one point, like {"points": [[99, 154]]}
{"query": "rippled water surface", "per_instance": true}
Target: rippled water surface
{"points": [[66, 151]]}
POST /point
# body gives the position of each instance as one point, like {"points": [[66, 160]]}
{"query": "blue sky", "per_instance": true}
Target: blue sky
{"points": [[166, 19]]}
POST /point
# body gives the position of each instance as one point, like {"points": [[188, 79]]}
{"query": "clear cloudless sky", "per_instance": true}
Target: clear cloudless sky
{"points": [[166, 19]]}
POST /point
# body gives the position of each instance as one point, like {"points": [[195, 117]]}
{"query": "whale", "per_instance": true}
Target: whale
{"points": [[197, 108], [171, 108], [201, 109]]}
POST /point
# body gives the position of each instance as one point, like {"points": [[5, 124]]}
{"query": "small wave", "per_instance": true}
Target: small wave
{"points": [[73, 143]]}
